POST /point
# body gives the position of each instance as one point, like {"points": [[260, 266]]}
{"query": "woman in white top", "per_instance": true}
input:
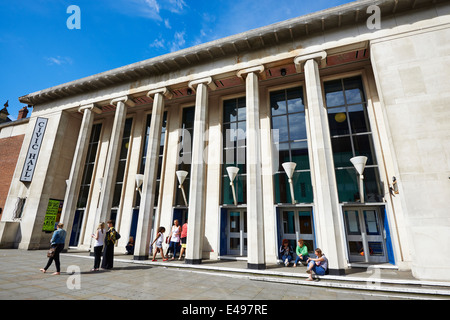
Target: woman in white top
{"points": [[99, 237], [175, 238]]}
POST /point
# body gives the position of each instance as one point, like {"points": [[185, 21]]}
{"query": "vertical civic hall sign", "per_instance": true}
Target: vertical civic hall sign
{"points": [[33, 150]]}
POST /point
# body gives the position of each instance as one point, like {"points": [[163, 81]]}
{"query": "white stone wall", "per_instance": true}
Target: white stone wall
{"points": [[412, 75]]}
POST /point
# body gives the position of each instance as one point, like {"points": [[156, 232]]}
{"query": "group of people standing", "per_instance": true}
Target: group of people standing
{"points": [[105, 240], [317, 265], [177, 237]]}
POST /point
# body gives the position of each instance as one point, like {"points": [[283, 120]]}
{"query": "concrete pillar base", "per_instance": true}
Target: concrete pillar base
{"points": [[256, 266], [140, 258], [193, 261], [336, 272]]}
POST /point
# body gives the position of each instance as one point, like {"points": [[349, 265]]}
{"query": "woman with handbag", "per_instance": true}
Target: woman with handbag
{"points": [[110, 241], [57, 245]]}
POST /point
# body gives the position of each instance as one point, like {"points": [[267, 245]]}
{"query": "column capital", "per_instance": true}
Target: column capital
{"points": [[319, 57], [124, 100], [164, 91], [91, 107], [258, 70], [207, 81]]}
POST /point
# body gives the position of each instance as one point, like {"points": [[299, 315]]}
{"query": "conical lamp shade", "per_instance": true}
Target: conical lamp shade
{"points": [[181, 175], [359, 163], [139, 180], [289, 167], [232, 172]]}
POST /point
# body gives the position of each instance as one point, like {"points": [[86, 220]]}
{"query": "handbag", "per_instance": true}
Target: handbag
{"points": [[51, 252]]}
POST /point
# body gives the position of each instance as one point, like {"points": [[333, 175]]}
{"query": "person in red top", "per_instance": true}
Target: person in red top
{"points": [[183, 238]]}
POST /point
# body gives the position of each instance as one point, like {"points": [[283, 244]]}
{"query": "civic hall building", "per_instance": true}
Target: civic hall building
{"points": [[250, 138]]}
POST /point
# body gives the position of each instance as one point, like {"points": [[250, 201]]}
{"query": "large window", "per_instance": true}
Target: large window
{"points": [[118, 186], [89, 166], [160, 159], [291, 141], [185, 152], [85, 187], [234, 149], [351, 136]]}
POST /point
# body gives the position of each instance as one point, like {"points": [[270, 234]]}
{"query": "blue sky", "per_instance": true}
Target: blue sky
{"points": [[38, 51]]}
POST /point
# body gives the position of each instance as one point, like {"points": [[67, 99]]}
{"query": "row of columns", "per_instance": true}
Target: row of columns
{"points": [[326, 209]]}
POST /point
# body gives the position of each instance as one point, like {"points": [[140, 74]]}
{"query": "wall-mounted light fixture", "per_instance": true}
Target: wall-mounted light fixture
{"points": [[283, 72], [232, 173], [189, 91], [100, 184], [360, 163], [289, 168], [139, 181], [394, 188], [181, 175]]}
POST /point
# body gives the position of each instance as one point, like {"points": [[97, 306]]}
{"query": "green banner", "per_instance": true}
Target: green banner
{"points": [[52, 215]]}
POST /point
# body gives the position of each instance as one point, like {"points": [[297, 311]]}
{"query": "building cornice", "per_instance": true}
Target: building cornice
{"points": [[257, 39]]}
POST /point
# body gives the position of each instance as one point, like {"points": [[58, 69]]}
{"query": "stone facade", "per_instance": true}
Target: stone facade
{"points": [[98, 128]]}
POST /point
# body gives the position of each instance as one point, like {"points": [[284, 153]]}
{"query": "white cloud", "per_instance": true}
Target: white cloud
{"points": [[144, 8], [158, 43], [178, 41], [151, 9], [177, 5], [152, 4], [167, 24], [58, 60]]}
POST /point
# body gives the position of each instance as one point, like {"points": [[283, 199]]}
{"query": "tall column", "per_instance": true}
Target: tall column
{"points": [[109, 175], [196, 220], [326, 201], [146, 207], [255, 214], [76, 171]]}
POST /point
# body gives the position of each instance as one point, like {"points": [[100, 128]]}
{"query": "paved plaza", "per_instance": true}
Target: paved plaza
{"points": [[21, 280]]}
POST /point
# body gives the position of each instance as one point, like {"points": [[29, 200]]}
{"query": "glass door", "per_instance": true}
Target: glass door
{"points": [[365, 235], [237, 232], [297, 224]]}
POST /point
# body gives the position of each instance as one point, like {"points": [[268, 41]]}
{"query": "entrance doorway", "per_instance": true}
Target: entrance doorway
{"points": [[366, 235], [76, 228], [180, 214], [296, 224], [237, 232]]}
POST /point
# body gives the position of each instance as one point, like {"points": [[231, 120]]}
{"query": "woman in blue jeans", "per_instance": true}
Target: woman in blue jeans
{"points": [[286, 252], [175, 238], [318, 266], [57, 242]]}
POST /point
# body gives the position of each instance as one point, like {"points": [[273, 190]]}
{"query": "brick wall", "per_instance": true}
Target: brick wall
{"points": [[9, 153]]}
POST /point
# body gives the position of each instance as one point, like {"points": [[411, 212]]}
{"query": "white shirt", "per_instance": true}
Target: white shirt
{"points": [[101, 238], [175, 234]]}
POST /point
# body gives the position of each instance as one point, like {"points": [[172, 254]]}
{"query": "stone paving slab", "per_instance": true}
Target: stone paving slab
{"points": [[21, 279]]}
